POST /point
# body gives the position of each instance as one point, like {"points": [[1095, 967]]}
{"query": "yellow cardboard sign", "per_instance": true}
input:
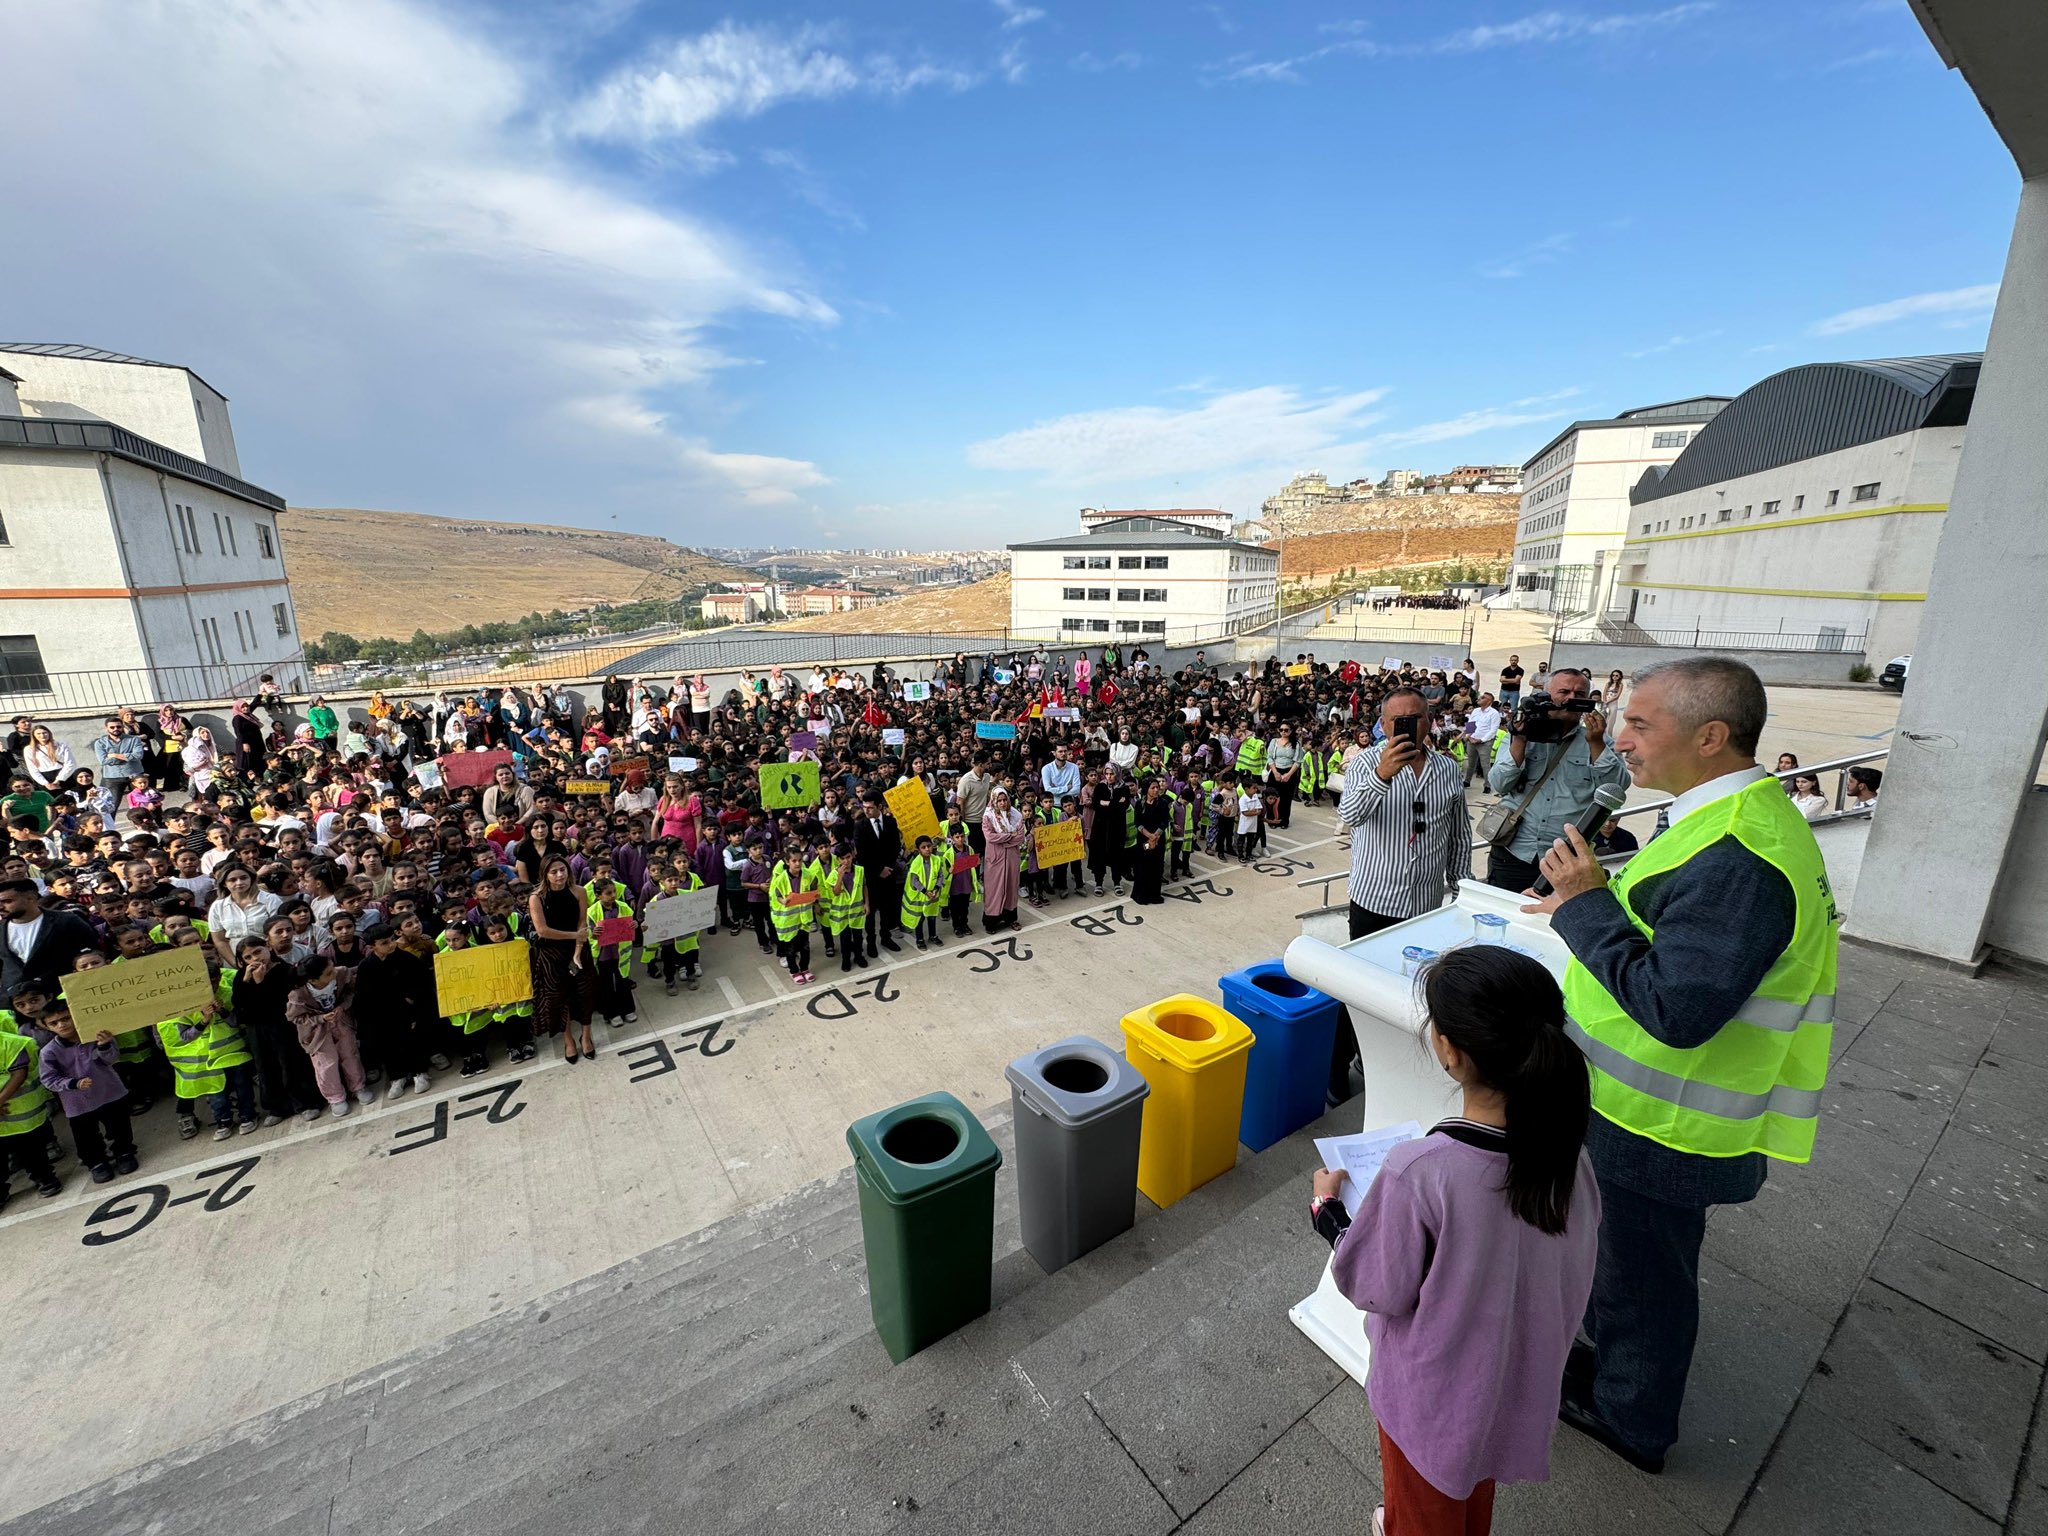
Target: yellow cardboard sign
{"points": [[138, 994], [1059, 843], [787, 785], [588, 787], [1298, 669], [482, 976], [911, 805]]}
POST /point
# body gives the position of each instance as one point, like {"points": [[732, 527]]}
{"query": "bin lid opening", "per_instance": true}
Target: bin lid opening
{"points": [[921, 1139], [1280, 984], [1186, 1026], [1076, 1074]]}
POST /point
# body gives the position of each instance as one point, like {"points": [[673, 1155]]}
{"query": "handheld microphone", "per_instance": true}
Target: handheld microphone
{"points": [[1607, 799]]}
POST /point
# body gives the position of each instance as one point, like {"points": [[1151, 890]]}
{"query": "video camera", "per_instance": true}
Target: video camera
{"points": [[1550, 720]]}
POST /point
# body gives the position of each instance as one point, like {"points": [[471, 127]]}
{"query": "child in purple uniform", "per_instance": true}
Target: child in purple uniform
{"points": [[1472, 1251]]}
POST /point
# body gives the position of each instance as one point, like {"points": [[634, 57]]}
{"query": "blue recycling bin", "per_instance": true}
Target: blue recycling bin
{"points": [[1294, 1027]]}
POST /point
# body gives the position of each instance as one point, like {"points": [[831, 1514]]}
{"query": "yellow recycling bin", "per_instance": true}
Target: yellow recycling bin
{"points": [[1193, 1054]]}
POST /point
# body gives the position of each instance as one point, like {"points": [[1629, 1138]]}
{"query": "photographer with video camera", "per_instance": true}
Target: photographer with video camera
{"points": [[1557, 745]]}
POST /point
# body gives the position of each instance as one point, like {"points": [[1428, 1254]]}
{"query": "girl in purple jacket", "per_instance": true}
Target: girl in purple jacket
{"points": [[1472, 1251]]}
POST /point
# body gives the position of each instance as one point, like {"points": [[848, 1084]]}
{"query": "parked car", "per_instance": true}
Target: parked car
{"points": [[1894, 673]]}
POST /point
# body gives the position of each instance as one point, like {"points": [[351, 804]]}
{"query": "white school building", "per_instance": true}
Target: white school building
{"points": [[1141, 579], [136, 565]]}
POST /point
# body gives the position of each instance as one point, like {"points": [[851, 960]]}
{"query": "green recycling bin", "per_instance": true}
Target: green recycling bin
{"points": [[927, 1177]]}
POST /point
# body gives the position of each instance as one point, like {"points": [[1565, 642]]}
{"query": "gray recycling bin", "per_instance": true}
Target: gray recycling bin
{"points": [[1078, 1108]]}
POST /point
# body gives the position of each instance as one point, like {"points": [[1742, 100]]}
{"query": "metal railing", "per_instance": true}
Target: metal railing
{"points": [[1840, 765], [1620, 631], [23, 691]]}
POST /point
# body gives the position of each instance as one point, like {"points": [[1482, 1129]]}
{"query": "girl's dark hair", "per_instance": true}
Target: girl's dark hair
{"points": [[1505, 1012]]}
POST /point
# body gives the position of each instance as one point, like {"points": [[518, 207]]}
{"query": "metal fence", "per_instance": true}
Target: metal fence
{"points": [[1700, 638], [28, 691]]}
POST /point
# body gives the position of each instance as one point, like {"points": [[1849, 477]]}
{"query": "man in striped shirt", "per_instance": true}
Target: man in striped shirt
{"points": [[1411, 837]]}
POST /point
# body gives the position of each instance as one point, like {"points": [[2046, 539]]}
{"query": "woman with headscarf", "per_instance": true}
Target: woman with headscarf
{"points": [[614, 697], [1003, 829], [171, 732], [248, 740], [197, 760]]}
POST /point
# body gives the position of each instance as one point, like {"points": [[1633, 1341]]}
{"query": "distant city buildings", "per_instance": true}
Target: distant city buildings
{"points": [[1811, 506], [1139, 577], [128, 539], [814, 600], [1575, 490]]}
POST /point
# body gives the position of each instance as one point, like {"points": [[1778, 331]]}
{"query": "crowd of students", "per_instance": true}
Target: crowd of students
{"points": [[324, 869]]}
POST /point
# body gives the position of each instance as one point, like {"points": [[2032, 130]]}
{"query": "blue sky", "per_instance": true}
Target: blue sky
{"points": [[939, 273]]}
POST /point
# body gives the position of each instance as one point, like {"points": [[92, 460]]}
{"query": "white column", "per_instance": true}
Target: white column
{"points": [[1971, 724]]}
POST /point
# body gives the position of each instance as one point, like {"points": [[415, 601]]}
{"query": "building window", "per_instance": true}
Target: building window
{"points": [[233, 547], [1098, 594], [264, 546], [1098, 626], [1155, 562], [1155, 594], [1128, 627], [1130, 562], [1646, 527], [1074, 563], [1098, 562], [1073, 623], [282, 618], [1770, 508], [218, 537], [3, 530], [1728, 515], [1668, 439], [1798, 502], [21, 665], [1155, 626], [1074, 594], [1866, 492], [1833, 497], [1127, 594]]}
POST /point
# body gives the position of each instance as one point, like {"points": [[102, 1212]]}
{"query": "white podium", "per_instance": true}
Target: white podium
{"points": [[1403, 1080]]}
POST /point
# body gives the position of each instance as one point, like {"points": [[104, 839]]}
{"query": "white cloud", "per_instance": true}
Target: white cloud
{"points": [[737, 71], [1273, 424], [1949, 301], [1540, 253], [1673, 343], [1540, 29], [359, 228], [760, 479], [1470, 424], [1094, 64], [1017, 14]]}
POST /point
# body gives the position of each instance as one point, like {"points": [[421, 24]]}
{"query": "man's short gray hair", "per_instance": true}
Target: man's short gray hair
{"points": [[1704, 688]]}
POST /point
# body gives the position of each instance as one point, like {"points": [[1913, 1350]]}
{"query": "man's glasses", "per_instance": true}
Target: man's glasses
{"points": [[1421, 826]]}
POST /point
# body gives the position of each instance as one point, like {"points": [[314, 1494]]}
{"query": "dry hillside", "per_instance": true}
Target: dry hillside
{"points": [[389, 573], [1324, 552], [1397, 512], [979, 608]]}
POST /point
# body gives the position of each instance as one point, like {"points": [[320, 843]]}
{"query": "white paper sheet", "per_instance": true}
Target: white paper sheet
{"points": [[1360, 1157]]}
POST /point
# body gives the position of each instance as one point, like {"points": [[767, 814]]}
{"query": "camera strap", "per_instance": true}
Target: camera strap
{"points": [[1498, 826]]}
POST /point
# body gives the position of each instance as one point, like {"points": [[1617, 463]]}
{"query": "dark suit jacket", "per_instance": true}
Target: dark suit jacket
{"points": [[873, 853], [62, 936]]}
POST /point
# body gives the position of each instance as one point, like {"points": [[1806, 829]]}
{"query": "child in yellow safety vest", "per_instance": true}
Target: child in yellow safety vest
{"points": [[24, 1116], [792, 918], [515, 1020], [470, 1024], [209, 1059], [613, 961], [963, 882], [679, 953], [925, 880], [845, 900]]}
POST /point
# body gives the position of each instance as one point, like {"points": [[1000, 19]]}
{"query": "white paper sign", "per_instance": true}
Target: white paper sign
{"points": [[1442, 663], [429, 774], [917, 693], [892, 735], [679, 916], [1360, 1157], [1390, 663], [675, 765]]}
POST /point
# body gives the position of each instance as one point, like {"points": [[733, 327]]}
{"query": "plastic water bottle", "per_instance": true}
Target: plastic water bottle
{"points": [[1489, 928]]}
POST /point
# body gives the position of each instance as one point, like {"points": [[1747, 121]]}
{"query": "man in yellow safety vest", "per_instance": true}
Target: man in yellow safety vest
{"points": [[1702, 991]]}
